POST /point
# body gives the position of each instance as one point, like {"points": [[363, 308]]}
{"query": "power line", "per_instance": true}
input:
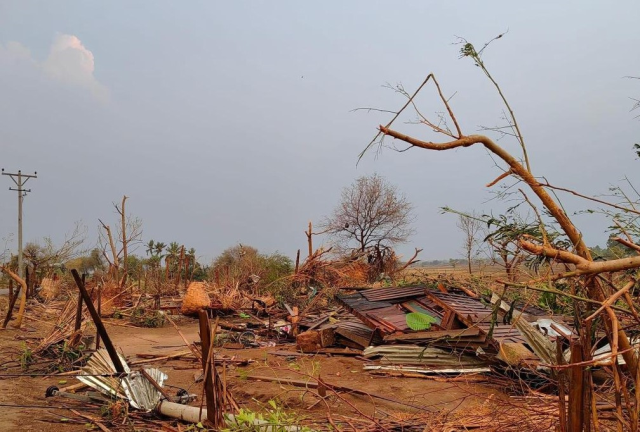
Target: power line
{"points": [[20, 179]]}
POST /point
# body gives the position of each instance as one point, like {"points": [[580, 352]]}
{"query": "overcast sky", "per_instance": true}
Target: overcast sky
{"points": [[229, 122]]}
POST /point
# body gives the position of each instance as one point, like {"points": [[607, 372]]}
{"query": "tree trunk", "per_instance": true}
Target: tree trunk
{"points": [[23, 295], [310, 239], [114, 262], [125, 264]]}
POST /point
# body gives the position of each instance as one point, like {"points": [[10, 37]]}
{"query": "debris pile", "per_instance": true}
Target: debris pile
{"points": [[437, 330]]}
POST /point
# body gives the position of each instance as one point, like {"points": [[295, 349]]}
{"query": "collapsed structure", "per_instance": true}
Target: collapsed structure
{"points": [[459, 332]]}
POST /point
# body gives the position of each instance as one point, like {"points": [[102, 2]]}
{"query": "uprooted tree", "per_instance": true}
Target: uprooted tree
{"points": [[589, 290]]}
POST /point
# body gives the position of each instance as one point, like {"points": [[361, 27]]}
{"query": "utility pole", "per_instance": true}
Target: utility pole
{"points": [[20, 179]]}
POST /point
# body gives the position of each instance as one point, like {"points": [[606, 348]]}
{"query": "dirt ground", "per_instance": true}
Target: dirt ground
{"points": [[23, 405]]}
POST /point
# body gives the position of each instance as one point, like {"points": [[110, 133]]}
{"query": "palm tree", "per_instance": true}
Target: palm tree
{"points": [[173, 252], [191, 265], [151, 248], [159, 247]]}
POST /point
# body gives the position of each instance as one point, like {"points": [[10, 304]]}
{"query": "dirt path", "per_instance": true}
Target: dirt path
{"points": [[342, 371]]}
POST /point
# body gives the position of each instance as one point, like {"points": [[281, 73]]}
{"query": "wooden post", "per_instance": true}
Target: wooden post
{"points": [[100, 315], [297, 262], [576, 383], [587, 385], [79, 308], [113, 354], [12, 303], [27, 280], [560, 374], [205, 338]]}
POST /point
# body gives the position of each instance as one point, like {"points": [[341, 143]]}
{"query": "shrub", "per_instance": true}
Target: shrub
{"points": [[245, 268]]}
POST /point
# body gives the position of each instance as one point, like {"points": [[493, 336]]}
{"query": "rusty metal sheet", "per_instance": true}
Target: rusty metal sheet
{"points": [[357, 332], [467, 309], [503, 332], [358, 306], [392, 316], [529, 309], [359, 303], [393, 293]]}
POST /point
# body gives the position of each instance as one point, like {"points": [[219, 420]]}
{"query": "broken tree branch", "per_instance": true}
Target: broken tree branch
{"points": [[23, 297]]}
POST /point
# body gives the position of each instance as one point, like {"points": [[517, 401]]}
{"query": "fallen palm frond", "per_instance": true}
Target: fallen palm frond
{"points": [[49, 289], [64, 329]]}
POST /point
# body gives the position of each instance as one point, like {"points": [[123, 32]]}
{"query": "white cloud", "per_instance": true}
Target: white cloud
{"points": [[14, 52], [69, 62]]}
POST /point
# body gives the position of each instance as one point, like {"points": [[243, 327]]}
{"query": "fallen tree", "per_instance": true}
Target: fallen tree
{"points": [[582, 407]]}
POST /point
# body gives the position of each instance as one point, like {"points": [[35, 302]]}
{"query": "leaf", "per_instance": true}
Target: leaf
{"points": [[419, 321]]}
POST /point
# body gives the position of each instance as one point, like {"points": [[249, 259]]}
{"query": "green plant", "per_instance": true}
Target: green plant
{"points": [[147, 318], [194, 427], [252, 271], [26, 357], [114, 411], [273, 419], [67, 355], [294, 366], [315, 368]]}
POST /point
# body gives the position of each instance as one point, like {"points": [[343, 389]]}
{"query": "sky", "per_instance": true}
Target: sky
{"points": [[233, 122]]}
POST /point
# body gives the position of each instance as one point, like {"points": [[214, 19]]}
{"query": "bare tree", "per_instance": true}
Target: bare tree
{"points": [[471, 227], [128, 236], [371, 214], [42, 255]]}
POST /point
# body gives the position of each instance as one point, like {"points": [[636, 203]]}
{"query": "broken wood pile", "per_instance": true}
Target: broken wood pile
{"points": [[65, 328], [320, 271]]}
